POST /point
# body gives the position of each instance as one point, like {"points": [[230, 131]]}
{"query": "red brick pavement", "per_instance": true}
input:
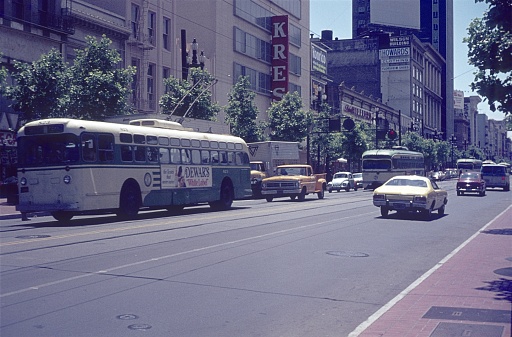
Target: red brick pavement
{"points": [[464, 279]]}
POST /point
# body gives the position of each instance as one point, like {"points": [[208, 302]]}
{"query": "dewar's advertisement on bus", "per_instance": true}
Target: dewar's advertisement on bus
{"points": [[178, 176]]}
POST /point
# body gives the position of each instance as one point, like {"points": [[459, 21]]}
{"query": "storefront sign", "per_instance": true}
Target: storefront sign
{"points": [[318, 59], [357, 112], [8, 138], [280, 50]]}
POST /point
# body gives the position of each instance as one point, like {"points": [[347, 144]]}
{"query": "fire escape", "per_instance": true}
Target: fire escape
{"points": [[141, 41]]}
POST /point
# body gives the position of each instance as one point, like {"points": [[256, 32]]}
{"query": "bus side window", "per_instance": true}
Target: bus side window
{"points": [[164, 155], [175, 156], [223, 158], [231, 157], [153, 155], [140, 153], [205, 157], [185, 156], [215, 157], [126, 153], [106, 147], [196, 157], [88, 147]]}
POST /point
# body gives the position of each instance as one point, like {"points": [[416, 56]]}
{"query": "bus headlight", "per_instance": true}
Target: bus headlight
{"points": [[23, 181], [67, 179]]}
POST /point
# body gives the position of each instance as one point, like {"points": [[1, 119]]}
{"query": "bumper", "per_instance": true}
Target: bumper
{"points": [[281, 192], [400, 205]]}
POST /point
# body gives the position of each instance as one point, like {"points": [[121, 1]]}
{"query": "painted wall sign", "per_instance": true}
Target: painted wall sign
{"points": [[280, 50], [318, 59]]}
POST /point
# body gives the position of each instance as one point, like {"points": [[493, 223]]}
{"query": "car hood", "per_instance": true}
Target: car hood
{"points": [[280, 178]]}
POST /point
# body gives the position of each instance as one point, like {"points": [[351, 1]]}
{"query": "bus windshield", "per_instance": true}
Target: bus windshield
{"points": [[48, 150], [376, 164]]}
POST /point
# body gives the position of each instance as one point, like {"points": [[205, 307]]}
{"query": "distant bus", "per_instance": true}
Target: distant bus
{"points": [[69, 167], [468, 165], [381, 165]]}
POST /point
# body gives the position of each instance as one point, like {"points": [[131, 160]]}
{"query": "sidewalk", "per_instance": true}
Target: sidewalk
{"points": [[467, 294], [8, 211]]}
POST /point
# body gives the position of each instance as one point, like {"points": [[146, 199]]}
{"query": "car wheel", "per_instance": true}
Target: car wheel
{"points": [[62, 216], [441, 210], [293, 197], [355, 188], [330, 191], [347, 188], [321, 194], [481, 193], [384, 211], [302, 194], [458, 193], [269, 199], [427, 213], [506, 188]]}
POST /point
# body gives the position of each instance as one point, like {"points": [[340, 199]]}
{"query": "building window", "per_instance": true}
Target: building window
{"points": [[295, 64], [166, 33], [135, 20], [254, 13], [294, 35], [135, 81], [259, 81], [17, 9], [151, 86], [293, 7], [295, 88], [151, 27], [252, 46]]}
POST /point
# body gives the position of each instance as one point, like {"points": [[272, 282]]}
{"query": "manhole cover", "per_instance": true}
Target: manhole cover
{"points": [[32, 236], [127, 317], [346, 254], [139, 327], [504, 271]]}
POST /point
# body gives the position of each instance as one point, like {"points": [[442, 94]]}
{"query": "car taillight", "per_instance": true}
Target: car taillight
{"points": [[379, 197]]}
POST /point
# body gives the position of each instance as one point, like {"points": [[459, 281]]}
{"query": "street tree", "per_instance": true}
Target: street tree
{"points": [[490, 51], [287, 119], [192, 98], [40, 87], [98, 87], [242, 113]]}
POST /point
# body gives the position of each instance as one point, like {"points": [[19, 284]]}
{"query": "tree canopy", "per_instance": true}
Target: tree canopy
{"points": [[92, 88], [490, 51], [287, 119], [241, 112], [190, 98]]}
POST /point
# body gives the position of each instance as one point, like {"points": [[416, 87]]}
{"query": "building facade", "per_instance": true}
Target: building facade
{"points": [[429, 20]]}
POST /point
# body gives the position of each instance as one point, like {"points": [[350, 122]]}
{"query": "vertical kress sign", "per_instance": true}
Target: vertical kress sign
{"points": [[279, 56]]}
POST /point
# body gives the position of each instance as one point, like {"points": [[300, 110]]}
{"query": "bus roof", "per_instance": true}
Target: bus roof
{"points": [[57, 125], [391, 152], [468, 160]]}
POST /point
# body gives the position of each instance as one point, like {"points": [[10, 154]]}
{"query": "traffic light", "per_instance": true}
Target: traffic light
{"points": [[334, 125], [392, 134]]}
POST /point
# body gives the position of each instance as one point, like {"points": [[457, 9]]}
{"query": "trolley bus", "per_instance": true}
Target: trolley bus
{"points": [[468, 165], [381, 165], [69, 167]]}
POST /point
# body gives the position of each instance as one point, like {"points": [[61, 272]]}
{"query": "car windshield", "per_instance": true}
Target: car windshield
{"points": [[340, 175], [407, 182], [358, 175], [469, 175], [292, 171]]}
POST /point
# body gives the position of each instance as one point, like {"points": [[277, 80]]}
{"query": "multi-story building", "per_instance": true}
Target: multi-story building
{"points": [[398, 71], [431, 21]]}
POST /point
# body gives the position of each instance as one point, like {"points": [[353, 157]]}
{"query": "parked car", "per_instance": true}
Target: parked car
{"points": [[410, 194], [438, 176], [342, 181], [496, 175], [471, 182], [358, 178]]}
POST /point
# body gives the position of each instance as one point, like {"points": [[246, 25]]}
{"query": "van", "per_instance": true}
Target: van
{"points": [[496, 176]]}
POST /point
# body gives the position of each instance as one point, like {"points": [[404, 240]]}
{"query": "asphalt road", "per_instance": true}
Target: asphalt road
{"points": [[285, 268]]}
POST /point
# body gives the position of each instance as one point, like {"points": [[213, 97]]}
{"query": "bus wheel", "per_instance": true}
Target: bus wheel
{"points": [[226, 197], [62, 216], [129, 201]]}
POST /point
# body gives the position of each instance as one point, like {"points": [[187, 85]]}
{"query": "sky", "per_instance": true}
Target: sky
{"points": [[336, 15]]}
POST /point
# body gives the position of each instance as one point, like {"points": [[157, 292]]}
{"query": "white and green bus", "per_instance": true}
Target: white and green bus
{"points": [[381, 165], [70, 167], [468, 165]]}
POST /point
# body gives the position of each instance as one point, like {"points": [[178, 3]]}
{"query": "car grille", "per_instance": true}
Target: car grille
{"points": [[282, 184]]}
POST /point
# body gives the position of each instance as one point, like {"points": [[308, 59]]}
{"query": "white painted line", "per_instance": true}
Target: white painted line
{"points": [[363, 326]]}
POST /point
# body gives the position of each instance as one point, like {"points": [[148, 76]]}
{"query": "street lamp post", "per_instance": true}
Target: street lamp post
{"points": [[194, 61], [453, 142]]}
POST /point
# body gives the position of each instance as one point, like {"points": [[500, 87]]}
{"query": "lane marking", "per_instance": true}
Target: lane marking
{"points": [[133, 264], [363, 326]]}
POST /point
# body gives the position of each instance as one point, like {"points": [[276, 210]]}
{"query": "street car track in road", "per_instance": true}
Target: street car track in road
{"points": [[283, 207], [222, 245]]}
